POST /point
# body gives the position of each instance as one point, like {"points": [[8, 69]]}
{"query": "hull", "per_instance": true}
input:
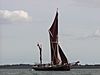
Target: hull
{"points": [[52, 68]]}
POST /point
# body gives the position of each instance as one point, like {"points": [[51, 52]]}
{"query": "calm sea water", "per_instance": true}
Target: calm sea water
{"points": [[30, 72]]}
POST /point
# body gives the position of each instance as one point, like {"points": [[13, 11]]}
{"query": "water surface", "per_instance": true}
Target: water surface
{"points": [[32, 72]]}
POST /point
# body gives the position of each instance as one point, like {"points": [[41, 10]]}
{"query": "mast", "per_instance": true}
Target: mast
{"points": [[40, 48]]}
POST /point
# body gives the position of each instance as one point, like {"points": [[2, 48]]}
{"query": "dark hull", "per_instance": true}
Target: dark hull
{"points": [[52, 68]]}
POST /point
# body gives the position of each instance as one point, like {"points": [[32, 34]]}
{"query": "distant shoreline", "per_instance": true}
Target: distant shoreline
{"points": [[16, 66], [29, 66]]}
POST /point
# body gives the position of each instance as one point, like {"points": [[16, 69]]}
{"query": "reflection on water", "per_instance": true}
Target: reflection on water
{"points": [[32, 72]]}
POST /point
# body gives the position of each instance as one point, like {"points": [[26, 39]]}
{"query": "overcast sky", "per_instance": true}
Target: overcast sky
{"points": [[23, 23]]}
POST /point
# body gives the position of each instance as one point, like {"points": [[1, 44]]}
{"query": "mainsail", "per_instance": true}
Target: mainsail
{"points": [[56, 50]]}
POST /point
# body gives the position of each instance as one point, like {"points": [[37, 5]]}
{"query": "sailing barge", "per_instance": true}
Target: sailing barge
{"points": [[59, 61]]}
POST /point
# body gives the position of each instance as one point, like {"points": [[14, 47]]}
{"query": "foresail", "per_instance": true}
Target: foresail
{"points": [[62, 56], [53, 33]]}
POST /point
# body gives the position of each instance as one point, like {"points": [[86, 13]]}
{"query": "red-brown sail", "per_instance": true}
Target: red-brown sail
{"points": [[62, 55], [55, 48], [53, 32]]}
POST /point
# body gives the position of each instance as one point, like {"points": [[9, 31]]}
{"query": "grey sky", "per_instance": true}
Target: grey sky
{"points": [[23, 23]]}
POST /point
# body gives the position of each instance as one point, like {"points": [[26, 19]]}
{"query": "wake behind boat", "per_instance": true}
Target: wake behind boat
{"points": [[59, 61]]}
